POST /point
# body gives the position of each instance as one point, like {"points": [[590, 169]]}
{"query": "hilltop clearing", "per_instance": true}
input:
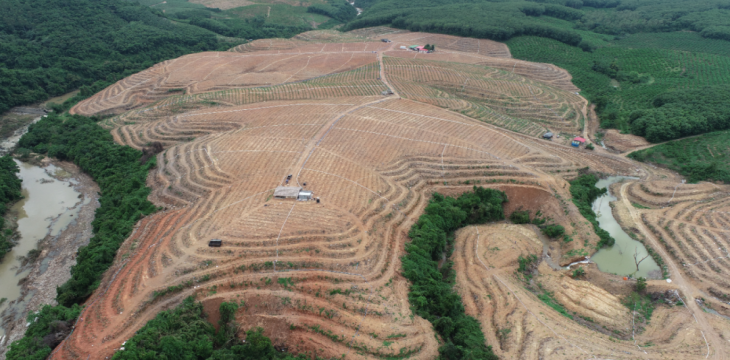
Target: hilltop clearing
{"points": [[373, 131]]}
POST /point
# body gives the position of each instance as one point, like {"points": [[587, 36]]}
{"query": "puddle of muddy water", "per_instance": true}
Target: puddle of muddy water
{"points": [[49, 206], [619, 259]]}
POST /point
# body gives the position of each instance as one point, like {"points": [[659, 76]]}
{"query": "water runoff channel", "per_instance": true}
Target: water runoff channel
{"points": [[619, 258]]}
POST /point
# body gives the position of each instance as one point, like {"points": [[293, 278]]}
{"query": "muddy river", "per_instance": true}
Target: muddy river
{"points": [[49, 206], [619, 259]]}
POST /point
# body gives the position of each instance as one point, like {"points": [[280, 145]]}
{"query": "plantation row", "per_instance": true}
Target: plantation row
{"points": [[504, 103], [643, 75]]}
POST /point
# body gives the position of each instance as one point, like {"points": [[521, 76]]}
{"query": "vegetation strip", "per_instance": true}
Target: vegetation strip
{"points": [[10, 186], [432, 295], [584, 192], [184, 333], [121, 177]]}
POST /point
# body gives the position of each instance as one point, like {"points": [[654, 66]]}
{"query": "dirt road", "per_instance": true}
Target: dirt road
{"points": [[715, 344]]}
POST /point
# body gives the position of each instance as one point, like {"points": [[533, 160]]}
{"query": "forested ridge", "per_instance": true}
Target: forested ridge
{"points": [[431, 294], [121, 177], [52, 47]]}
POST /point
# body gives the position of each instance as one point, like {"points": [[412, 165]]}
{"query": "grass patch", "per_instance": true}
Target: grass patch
{"points": [[641, 303], [550, 301], [701, 158]]}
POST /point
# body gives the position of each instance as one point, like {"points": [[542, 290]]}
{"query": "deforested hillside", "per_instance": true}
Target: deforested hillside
{"points": [[626, 56], [414, 161]]}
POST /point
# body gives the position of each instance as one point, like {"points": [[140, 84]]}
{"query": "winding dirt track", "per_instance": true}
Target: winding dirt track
{"points": [[716, 345], [324, 278]]}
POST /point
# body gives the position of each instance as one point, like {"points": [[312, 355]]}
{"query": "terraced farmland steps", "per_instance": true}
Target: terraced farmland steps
{"points": [[317, 139], [715, 345]]}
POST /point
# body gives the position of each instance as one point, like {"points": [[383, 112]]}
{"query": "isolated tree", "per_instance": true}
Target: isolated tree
{"points": [[640, 284], [579, 272], [636, 255]]}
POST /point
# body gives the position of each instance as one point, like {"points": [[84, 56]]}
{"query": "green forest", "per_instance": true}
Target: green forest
{"points": [[52, 47], [431, 294], [10, 186], [121, 177]]}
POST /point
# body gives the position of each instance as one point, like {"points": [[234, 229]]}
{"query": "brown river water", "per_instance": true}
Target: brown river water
{"points": [[49, 206]]}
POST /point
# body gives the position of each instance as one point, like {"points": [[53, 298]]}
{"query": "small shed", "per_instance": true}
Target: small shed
{"points": [[548, 135], [421, 48], [304, 195], [413, 47], [287, 192], [578, 141], [386, 92], [403, 47], [215, 243], [385, 40]]}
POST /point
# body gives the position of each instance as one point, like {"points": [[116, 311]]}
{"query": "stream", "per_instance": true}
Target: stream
{"points": [[48, 207], [619, 259]]}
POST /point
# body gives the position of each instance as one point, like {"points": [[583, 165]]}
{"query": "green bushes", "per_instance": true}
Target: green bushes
{"points": [[520, 217], [37, 344], [431, 293], [184, 333], [553, 230], [10, 186], [526, 263], [584, 192]]}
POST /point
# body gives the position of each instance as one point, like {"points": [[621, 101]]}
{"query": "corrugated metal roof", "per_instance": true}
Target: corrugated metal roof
{"points": [[287, 191]]}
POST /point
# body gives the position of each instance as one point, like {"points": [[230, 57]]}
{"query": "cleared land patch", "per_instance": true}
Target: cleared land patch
{"points": [[324, 278]]}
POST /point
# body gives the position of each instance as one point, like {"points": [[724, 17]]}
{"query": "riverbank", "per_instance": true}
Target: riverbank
{"points": [[50, 266]]}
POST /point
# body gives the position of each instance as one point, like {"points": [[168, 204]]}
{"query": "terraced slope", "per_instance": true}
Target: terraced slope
{"points": [[324, 278]]}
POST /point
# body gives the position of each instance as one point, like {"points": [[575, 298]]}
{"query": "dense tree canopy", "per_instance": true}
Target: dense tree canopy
{"points": [[683, 113], [584, 192], [431, 293], [52, 47]]}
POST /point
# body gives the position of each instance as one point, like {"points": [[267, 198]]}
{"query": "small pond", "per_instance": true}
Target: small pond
{"points": [[619, 259]]}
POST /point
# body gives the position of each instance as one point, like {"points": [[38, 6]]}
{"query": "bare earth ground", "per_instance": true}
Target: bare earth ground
{"points": [[624, 142], [325, 278]]}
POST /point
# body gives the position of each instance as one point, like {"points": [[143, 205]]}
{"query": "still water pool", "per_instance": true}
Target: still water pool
{"points": [[619, 259]]}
